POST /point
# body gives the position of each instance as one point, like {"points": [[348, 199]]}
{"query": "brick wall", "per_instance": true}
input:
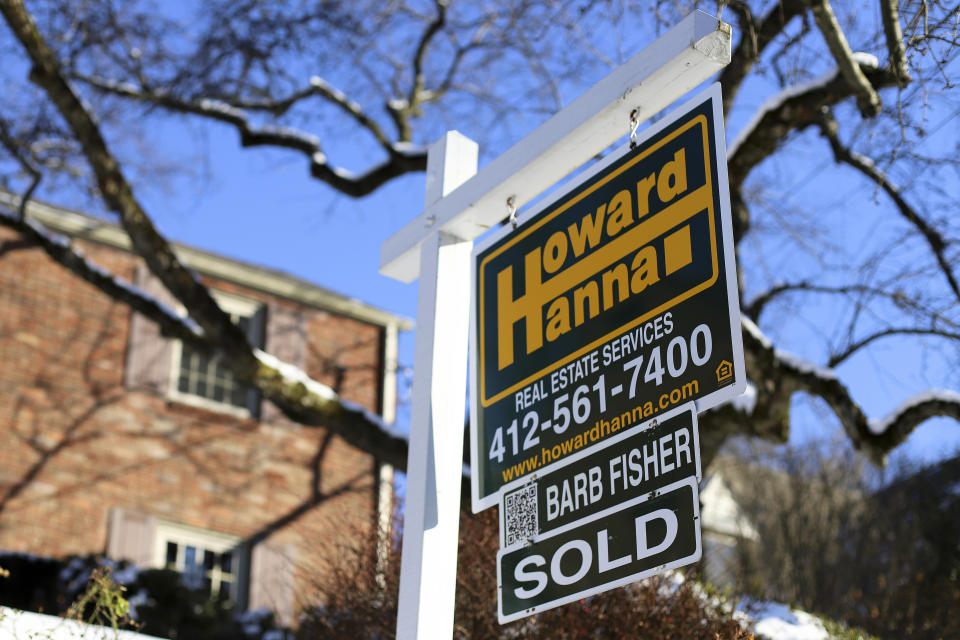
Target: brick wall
{"points": [[85, 424]]}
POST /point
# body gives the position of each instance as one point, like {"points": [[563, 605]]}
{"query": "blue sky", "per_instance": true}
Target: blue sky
{"points": [[262, 207]]}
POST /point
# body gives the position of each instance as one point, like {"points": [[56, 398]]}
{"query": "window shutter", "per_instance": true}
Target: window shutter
{"points": [[271, 580], [148, 358], [131, 536], [286, 339]]}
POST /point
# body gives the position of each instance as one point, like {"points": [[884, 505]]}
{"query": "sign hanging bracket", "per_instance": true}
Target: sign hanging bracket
{"points": [[512, 210]]}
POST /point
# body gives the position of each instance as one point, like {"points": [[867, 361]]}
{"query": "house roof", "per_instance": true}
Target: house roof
{"points": [[86, 227]]}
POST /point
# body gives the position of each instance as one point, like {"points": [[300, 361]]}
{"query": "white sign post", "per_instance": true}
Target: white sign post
{"points": [[435, 461], [436, 247]]}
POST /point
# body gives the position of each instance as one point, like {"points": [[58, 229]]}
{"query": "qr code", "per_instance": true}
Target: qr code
{"points": [[520, 521]]}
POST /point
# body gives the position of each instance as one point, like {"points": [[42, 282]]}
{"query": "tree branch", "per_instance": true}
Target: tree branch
{"points": [[793, 109], [317, 87], [755, 308], [63, 253], [867, 99], [837, 358], [875, 438], [401, 110], [829, 127], [890, 13], [401, 159], [6, 139], [294, 393], [413, 97], [753, 41]]}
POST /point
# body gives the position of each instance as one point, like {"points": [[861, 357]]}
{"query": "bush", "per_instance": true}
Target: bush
{"points": [[360, 601], [160, 604], [876, 550]]}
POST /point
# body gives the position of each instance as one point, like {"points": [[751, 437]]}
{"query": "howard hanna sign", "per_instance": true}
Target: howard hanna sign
{"points": [[610, 304]]}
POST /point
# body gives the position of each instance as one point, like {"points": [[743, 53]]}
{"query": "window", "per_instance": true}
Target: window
{"points": [[202, 379], [207, 560]]}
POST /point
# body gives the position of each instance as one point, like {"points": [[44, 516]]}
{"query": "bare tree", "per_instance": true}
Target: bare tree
{"points": [[873, 548], [406, 69]]}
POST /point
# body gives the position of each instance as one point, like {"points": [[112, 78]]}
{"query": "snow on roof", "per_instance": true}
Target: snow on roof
{"points": [[22, 625], [880, 425], [777, 99], [57, 239], [78, 225]]}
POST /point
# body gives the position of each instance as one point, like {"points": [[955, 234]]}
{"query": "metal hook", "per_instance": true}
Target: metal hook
{"points": [[512, 210], [634, 124]]}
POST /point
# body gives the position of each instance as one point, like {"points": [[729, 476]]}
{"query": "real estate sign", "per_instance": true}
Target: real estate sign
{"points": [[633, 540], [636, 462], [611, 304]]}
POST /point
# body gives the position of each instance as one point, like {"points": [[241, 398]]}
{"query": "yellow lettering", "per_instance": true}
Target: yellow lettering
{"points": [[589, 231], [555, 252], [526, 307], [644, 186], [588, 293], [672, 180], [558, 318], [620, 214], [619, 276], [644, 267]]}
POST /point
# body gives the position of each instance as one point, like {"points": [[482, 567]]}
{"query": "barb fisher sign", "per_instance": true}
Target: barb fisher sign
{"points": [[634, 463], [608, 305]]}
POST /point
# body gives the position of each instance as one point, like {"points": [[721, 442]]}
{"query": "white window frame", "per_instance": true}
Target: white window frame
{"points": [[185, 535], [233, 305]]}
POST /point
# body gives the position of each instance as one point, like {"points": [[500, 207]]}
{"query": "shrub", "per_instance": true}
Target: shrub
{"points": [[361, 601]]}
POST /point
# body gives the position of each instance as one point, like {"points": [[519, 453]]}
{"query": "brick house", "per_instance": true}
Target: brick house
{"points": [[117, 440]]}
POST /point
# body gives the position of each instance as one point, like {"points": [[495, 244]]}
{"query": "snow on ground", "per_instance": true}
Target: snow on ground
{"points": [[26, 625], [771, 620], [779, 622]]}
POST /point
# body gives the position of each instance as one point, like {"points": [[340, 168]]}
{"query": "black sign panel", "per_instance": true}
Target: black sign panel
{"points": [[593, 555], [609, 306], [631, 464]]}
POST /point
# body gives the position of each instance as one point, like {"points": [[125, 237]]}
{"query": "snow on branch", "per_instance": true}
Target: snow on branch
{"points": [[777, 100], [876, 438], [918, 404], [867, 99], [311, 403], [278, 382], [402, 157], [293, 375]]}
